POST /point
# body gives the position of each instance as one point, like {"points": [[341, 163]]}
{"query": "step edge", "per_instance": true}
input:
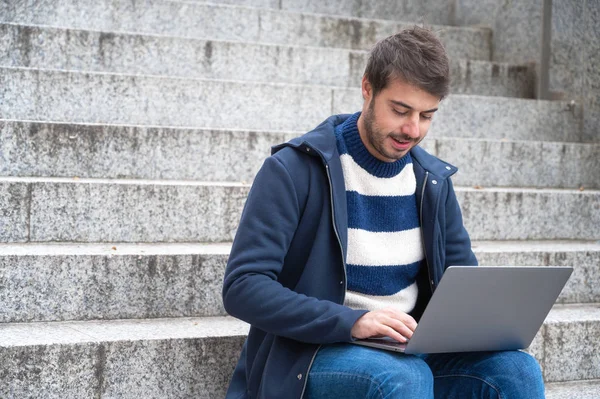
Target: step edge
{"points": [[97, 331]]}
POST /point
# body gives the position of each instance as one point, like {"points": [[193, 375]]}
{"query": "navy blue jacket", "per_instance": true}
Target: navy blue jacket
{"points": [[286, 271]]}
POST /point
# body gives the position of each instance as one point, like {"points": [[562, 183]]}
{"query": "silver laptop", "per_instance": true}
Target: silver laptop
{"points": [[483, 309]]}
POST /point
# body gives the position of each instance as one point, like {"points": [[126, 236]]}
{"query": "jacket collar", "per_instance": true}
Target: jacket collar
{"points": [[432, 164], [321, 140]]}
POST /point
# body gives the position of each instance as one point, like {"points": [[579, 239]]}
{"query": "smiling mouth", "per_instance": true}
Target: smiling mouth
{"points": [[400, 144]]}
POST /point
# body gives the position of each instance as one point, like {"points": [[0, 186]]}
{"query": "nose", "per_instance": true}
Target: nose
{"points": [[410, 127]]}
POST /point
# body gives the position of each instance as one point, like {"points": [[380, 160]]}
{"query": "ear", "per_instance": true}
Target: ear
{"points": [[367, 89]]}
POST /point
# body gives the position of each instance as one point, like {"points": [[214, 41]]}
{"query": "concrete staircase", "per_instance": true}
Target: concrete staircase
{"points": [[130, 131]]}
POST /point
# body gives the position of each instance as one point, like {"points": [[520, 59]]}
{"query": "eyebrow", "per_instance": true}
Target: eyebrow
{"points": [[409, 107]]}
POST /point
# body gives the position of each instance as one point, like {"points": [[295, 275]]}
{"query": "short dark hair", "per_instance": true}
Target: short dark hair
{"points": [[414, 55]]}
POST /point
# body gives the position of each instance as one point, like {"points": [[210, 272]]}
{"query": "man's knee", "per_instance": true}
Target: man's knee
{"points": [[520, 364], [355, 371], [413, 379], [526, 367], [518, 373], [504, 375]]}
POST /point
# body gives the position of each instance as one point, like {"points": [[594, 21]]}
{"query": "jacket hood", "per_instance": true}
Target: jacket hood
{"points": [[322, 141]]}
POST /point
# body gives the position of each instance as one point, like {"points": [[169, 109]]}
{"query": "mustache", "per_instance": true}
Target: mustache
{"points": [[401, 137]]}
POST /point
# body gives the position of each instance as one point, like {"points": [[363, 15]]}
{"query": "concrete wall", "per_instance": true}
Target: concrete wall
{"points": [[574, 70], [517, 26], [575, 58]]}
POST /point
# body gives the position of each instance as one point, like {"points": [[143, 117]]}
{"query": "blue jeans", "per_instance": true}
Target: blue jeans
{"points": [[350, 371]]}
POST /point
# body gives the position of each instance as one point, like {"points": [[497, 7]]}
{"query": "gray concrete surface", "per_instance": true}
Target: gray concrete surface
{"points": [[517, 26], [115, 98], [134, 212], [529, 214], [574, 72], [134, 152], [570, 341], [67, 281], [52, 48], [186, 356], [111, 286], [209, 21], [428, 11], [274, 4], [492, 79], [103, 98], [573, 390], [84, 210], [498, 163], [138, 152], [129, 359], [14, 218]]}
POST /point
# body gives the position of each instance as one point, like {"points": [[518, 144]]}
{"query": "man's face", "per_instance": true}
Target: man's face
{"points": [[395, 120]]}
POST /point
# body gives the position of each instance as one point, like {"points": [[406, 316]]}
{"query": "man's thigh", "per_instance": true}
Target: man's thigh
{"points": [[352, 371], [505, 375]]}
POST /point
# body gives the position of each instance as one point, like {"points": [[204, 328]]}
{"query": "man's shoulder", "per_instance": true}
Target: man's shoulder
{"points": [[320, 141], [299, 159]]}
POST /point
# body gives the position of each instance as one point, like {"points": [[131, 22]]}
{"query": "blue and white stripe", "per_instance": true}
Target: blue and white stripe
{"points": [[384, 236]]}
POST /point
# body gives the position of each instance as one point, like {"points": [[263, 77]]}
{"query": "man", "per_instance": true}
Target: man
{"points": [[346, 232]]}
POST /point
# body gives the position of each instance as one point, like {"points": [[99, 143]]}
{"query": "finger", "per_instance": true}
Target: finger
{"points": [[404, 317], [399, 326], [391, 333], [410, 322]]}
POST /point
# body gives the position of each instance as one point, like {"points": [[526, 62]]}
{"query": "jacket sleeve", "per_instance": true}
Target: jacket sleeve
{"points": [[458, 243], [251, 291]]}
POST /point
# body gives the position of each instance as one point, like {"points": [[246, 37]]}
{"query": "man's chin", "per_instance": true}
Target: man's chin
{"points": [[397, 155], [389, 153]]}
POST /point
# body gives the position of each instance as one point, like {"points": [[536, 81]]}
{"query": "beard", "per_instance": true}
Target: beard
{"points": [[376, 136]]}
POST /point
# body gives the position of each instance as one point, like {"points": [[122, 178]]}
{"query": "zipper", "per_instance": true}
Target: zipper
{"points": [[336, 232], [343, 264], [422, 235], [308, 371]]}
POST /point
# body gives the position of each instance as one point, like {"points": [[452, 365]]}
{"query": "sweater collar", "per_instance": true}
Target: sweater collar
{"points": [[349, 141]]}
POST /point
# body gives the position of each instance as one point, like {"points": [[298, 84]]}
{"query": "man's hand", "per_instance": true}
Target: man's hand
{"points": [[388, 322]]}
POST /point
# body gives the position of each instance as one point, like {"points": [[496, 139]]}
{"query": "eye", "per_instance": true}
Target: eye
{"points": [[426, 117], [399, 112]]}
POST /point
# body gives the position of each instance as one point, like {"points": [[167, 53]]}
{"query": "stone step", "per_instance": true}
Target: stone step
{"points": [[50, 95], [229, 22], [52, 48], [97, 210], [571, 335], [583, 256], [518, 163], [431, 11], [273, 4], [195, 356], [138, 152], [89, 210], [161, 358], [70, 281], [530, 214], [586, 389]]}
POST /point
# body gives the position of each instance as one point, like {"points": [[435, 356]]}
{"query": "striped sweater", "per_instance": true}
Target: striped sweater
{"points": [[384, 234]]}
